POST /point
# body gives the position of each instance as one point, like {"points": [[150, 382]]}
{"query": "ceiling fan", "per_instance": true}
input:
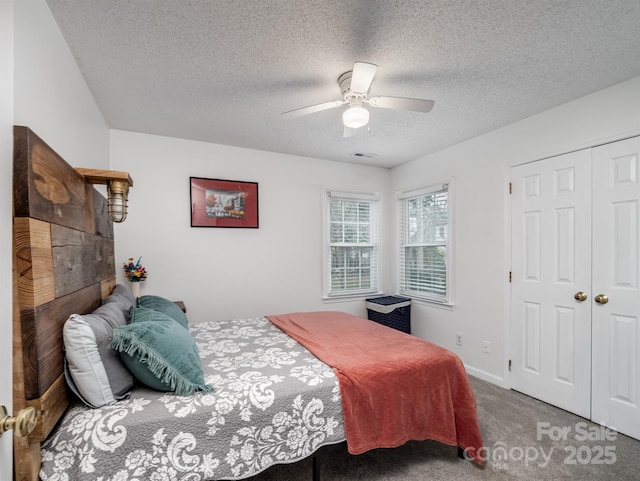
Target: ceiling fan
{"points": [[354, 86]]}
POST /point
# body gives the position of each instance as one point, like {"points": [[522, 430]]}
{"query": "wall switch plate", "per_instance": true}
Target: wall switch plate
{"points": [[486, 347]]}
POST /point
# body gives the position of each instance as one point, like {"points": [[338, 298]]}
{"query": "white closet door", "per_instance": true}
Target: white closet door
{"points": [[551, 262], [616, 264]]}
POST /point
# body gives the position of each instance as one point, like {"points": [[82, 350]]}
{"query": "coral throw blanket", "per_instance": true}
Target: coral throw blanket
{"points": [[395, 387]]}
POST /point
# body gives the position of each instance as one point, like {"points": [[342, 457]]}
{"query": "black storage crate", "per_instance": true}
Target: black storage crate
{"points": [[391, 311]]}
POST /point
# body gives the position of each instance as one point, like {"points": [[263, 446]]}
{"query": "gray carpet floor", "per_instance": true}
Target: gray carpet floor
{"points": [[526, 439]]}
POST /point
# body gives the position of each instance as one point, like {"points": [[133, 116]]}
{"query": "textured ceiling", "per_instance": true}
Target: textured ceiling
{"points": [[224, 71]]}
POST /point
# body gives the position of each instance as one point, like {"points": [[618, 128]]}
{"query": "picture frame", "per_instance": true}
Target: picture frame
{"points": [[223, 203]]}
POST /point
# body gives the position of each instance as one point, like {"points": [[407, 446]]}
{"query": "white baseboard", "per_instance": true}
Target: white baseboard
{"points": [[486, 376]]}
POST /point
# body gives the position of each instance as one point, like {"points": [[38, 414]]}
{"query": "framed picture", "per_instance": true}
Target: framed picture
{"points": [[223, 203]]}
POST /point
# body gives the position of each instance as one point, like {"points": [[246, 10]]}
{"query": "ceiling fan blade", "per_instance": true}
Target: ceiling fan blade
{"points": [[402, 103], [291, 114], [362, 76], [349, 131]]}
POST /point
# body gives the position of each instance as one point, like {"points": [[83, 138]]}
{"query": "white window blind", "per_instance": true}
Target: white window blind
{"points": [[352, 259], [424, 244]]}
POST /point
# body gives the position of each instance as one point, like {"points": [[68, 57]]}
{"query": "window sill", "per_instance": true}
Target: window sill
{"points": [[438, 305], [355, 297]]}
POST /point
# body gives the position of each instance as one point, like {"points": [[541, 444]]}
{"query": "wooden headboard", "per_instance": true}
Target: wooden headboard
{"points": [[63, 263]]}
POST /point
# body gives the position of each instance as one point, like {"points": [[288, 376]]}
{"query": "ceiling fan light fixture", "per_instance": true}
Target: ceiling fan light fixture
{"points": [[354, 86], [355, 117]]}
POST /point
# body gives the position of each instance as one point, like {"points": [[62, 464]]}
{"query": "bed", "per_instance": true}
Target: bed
{"points": [[279, 387]]}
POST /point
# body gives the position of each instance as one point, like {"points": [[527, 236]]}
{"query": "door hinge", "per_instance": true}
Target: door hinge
{"points": [[509, 365], [509, 276], [510, 188]]}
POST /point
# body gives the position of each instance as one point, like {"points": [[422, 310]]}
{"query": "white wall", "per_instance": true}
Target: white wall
{"points": [[51, 96], [40, 87], [481, 169], [6, 152], [225, 273]]}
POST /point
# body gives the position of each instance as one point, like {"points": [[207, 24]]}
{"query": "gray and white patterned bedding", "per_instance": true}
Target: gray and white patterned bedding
{"points": [[274, 403]]}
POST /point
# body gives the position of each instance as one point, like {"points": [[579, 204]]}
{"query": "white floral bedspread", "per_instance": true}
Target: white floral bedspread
{"points": [[274, 403]]}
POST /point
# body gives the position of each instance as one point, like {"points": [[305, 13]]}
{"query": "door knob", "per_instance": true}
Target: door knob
{"points": [[22, 424], [580, 296], [601, 299]]}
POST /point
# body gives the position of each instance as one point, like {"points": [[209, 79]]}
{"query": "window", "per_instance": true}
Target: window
{"points": [[351, 260], [424, 244]]}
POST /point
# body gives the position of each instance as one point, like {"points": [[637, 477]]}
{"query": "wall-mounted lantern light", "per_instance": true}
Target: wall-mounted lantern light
{"points": [[117, 183]]}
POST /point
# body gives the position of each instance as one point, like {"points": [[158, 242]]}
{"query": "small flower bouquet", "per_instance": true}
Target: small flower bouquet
{"points": [[134, 272]]}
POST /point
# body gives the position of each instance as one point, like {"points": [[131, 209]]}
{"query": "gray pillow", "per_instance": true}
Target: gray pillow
{"points": [[96, 373], [123, 296]]}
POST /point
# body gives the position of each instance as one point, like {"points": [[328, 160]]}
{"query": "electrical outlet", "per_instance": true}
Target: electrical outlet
{"points": [[486, 347], [458, 339]]}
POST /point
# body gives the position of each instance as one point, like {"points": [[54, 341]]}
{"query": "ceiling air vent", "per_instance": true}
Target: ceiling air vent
{"points": [[364, 155]]}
